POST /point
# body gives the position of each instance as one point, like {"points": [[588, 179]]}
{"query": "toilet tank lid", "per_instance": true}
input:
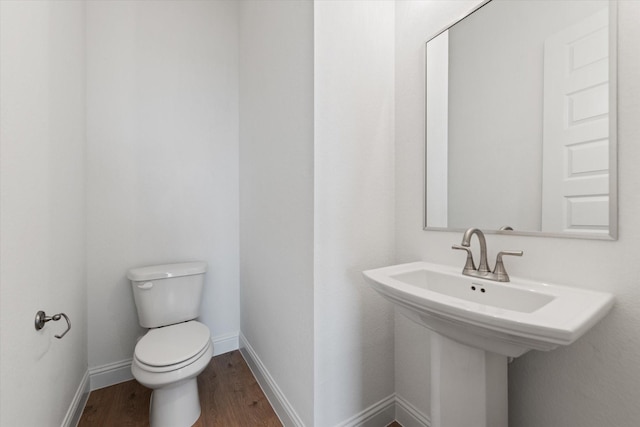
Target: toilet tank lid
{"points": [[165, 271]]}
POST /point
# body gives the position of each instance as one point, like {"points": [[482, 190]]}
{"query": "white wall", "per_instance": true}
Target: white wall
{"points": [[593, 382], [316, 162], [162, 158], [276, 193], [42, 257], [353, 99]]}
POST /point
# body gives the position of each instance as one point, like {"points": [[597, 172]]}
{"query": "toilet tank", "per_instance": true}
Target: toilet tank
{"points": [[167, 294]]}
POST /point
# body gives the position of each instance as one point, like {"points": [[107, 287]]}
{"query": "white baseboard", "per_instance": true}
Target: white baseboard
{"points": [[74, 412], [224, 343], [381, 413], [110, 374], [279, 403], [408, 415], [118, 372]]}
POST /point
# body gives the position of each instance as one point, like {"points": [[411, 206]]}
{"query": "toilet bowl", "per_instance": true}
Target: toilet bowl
{"points": [[168, 360], [177, 348]]}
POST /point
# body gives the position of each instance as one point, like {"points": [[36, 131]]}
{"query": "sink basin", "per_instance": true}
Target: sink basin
{"points": [[505, 318], [477, 324], [479, 292]]}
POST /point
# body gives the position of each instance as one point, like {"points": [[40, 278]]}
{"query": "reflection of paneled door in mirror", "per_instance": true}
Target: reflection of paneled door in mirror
{"points": [[575, 188]]}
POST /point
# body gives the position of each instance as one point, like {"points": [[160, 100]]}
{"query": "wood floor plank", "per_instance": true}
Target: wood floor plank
{"points": [[125, 404], [229, 397]]}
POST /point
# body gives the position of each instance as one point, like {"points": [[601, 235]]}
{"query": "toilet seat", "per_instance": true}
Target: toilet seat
{"points": [[161, 369], [172, 347]]}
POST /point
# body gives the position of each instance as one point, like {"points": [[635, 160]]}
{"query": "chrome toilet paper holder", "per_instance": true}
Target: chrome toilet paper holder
{"points": [[42, 318]]}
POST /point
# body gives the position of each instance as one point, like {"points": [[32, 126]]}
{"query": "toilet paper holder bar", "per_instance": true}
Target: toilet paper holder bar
{"points": [[42, 318]]}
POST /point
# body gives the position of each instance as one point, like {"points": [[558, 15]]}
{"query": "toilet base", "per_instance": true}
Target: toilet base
{"points": [[175, 406]]}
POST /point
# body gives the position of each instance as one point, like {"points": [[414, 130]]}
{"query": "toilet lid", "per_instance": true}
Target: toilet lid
{"points": [[172, 344]]}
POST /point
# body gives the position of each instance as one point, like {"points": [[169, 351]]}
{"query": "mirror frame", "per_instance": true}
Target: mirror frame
{"points": [[613, 139]]}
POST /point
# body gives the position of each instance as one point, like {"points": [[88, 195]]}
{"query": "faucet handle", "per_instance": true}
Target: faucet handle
{"points": [[499, 272], [469, 265]]}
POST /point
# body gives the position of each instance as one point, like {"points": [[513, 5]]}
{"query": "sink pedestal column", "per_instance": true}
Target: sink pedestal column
{"points": [[468, 385]]}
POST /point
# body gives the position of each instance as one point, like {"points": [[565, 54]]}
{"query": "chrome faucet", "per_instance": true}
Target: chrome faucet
{"points": [[498, 274], [483, 268]]}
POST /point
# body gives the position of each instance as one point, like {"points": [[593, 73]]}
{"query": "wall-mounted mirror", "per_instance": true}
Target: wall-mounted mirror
{"points": [[521, 120]]}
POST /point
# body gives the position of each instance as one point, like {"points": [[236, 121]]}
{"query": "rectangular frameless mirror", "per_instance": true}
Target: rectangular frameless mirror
{"points": [[521, 120]]}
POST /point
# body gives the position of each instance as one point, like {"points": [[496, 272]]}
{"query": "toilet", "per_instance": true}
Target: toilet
{"points": [[177, 348]]}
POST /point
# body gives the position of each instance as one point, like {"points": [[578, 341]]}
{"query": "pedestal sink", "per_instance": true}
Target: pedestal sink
{"points": [[477, 325]]}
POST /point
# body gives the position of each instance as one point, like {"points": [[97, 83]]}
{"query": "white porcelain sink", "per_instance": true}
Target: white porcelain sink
{"points": [[477, 324], [505, 318]]}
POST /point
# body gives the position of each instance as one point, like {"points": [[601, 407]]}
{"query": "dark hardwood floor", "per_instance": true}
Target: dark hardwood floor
{"points": [[229, 397]]}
